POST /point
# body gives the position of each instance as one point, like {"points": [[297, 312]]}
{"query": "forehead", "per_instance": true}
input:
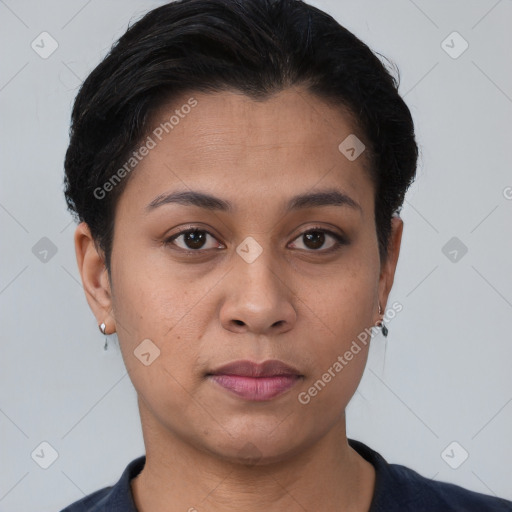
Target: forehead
{"points": [[232, 121], [228, 142]]}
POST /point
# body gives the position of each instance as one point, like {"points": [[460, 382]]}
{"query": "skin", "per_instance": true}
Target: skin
{"points": [[296, 302]]}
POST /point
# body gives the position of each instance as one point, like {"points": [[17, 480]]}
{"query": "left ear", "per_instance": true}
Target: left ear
{"points": [[387, 272]]}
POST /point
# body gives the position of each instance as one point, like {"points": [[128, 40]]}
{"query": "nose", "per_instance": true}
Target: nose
{"points": [[257, 298]]}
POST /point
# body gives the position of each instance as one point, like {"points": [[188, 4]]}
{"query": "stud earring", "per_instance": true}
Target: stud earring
{"points": [[383, 328]]}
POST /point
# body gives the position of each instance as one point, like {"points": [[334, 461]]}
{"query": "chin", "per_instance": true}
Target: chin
{"points": [[255, 447]]}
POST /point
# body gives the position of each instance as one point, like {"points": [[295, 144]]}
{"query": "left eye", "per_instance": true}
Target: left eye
{"points": [[314, 239]]}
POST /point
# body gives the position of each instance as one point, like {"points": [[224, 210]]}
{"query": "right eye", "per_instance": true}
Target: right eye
{"points": [[192, 240]]}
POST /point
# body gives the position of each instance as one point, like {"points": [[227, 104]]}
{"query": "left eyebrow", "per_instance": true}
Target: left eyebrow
{"points": [[326, 197]]}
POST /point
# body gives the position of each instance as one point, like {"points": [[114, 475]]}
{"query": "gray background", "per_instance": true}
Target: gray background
{"points": [[444, 373]]}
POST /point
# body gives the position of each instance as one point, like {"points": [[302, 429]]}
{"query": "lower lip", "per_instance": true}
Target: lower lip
{"points": [[256, 388]]}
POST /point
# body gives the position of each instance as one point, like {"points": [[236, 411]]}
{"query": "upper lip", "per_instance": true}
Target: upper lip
{"points": [[244, 368]]}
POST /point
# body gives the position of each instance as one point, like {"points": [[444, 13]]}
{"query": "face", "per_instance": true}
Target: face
{"points": [[257, 271]]}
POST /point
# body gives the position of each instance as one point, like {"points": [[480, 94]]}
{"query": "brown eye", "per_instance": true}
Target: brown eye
{"points": [[315, 239], [192, 239]]}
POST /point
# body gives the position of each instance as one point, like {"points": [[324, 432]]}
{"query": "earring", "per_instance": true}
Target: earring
{"points": [[103, 329], [384, 329]]}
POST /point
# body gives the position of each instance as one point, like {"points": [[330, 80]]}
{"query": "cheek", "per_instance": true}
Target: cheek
{"points": [[340, 335], [339, 318], [157, 326], [155, 304], [324, 397], [153, 298], [341, 304]]}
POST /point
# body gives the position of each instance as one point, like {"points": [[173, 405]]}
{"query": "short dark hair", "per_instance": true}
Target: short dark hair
{"points": [[257, 47]]}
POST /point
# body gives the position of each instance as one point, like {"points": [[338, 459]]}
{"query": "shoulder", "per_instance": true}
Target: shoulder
{"points": [[398, 488], [115, 498], [94, 501], [421, 493]]}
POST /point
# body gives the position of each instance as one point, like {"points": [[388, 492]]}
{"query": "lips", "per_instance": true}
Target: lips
{"points": [[256, 381], [270, 368]]}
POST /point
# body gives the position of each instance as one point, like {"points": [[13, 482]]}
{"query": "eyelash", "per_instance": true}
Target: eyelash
{"points": [[340, 240]]}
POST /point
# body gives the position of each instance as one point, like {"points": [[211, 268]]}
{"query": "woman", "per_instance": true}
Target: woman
{"points": [[237, 169]]}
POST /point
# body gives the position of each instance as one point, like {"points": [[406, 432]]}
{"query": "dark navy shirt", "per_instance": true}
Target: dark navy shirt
{"points": [[397, 489]]}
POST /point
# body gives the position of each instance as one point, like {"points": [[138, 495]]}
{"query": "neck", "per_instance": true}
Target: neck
{"points": [[328, 475]]}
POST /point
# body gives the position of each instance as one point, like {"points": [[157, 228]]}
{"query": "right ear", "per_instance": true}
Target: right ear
{"points": [[91, 265]]}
